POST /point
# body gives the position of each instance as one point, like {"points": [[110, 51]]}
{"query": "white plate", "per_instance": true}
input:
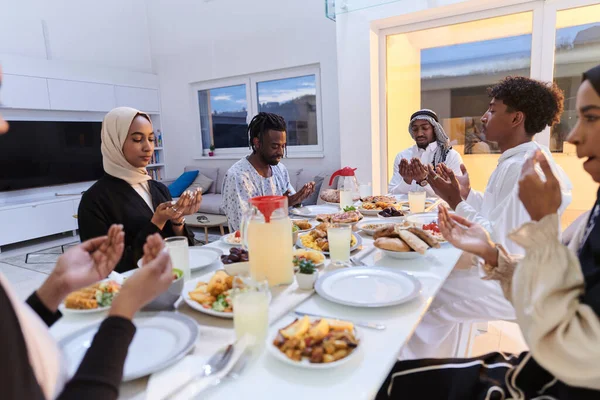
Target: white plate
{"points": [[369, 213], [191, 285], [225, 239], [377, 222], [368, 287], [295, 253], [275, 352], [313, 211], [170, 336], [199, 258], [401, 255], [74, 311], [352, 248]]}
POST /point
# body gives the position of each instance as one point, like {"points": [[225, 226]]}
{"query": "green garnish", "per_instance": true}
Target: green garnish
{"points": [[295, 228], [305, 266], [221, 303], [104, 299], [349, 208]]}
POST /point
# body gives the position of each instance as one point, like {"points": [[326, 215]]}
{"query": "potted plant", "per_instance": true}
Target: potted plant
{"points": [[211, 151], [307, 273]]}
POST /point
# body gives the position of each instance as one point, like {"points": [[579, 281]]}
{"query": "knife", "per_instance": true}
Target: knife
{"points": [[370, 325]]}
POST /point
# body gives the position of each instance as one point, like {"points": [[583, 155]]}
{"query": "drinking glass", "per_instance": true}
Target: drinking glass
{"points": [[178, 249], [251, 309], [365, 190], [339, 237], [416, 201], [345, 198]]}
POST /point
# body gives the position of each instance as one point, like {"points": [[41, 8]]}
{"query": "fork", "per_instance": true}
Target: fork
{"points": [[215, 364], [233, 373]]}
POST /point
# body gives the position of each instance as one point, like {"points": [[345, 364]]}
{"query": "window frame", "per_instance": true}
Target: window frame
{"points": [[251, 81]]}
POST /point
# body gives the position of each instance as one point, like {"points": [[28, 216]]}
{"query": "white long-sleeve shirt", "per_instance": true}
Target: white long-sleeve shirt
{"points": [[397, 184], [499, 209]]}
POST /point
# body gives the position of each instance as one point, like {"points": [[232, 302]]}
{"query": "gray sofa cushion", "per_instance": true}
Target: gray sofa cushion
{"points": [[201, 182], [212, 173], [294, 174], [211, 204], [218, 185]]}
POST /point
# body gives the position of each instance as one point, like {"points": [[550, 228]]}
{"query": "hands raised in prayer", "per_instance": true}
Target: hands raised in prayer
{"points": [[539, 198], [82, 265], [412, 170], [154, 278], [301, 194], [467, 236], [448, 189]]}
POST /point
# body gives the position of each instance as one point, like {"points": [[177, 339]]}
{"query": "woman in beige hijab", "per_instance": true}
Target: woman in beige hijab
{"points": [[127, 195]]}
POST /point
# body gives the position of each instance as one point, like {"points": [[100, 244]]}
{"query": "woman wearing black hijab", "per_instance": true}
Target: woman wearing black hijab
{"points": [[555, 290]]}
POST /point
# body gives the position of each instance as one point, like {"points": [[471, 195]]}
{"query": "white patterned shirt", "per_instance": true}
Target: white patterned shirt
{"points": [[243, 182]]}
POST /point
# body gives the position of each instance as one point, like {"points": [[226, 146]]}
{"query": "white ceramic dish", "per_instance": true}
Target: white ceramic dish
{"points": [[313, 211], [378, 222], [191, 285], [239, 268], [199, 258], [227, 239], [74, 311], [401, 255], [304, 363], [369, 213], [368, 287], [297, 252], [169, 335], [352, 248]]}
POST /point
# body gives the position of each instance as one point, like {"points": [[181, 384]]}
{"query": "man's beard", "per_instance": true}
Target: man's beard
{"points": [[269, 161]]}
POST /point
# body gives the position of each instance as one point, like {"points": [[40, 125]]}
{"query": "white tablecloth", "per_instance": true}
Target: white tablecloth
{"points": [[268, 378]]}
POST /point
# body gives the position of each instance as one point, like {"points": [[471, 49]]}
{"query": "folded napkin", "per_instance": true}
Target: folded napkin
{"points": [[162, 383], [285, 299]]}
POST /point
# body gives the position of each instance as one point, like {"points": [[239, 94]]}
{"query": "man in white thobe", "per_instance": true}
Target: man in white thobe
{"points": [[519, 109], [432, 147]]}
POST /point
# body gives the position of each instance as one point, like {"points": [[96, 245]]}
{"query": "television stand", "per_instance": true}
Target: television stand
{"points": [[21, 220]]}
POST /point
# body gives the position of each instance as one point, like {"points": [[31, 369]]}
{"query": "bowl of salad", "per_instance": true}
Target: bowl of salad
{"points": [[166, 300]]}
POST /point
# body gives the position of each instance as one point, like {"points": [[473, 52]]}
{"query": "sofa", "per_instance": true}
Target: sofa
{"points": [[211, 200]]}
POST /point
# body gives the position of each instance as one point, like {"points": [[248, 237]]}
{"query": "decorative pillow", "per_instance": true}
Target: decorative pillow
{"points": [[202, 181], [312, 199], [181, 184]]}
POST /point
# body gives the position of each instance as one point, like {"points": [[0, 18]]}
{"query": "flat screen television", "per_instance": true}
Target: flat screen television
{"points": [[46, 153]]}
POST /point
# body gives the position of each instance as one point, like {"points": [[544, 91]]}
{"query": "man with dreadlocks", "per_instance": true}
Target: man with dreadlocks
{"points": [[432, 148], [261, 173]]}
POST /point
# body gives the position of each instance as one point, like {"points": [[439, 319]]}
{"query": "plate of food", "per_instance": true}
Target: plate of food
{"points": [[95, 298], [317, 240], [315, 343], [373, 209], [390, 212], [215, 296], [345, 217], [332, 196], [428, 222], [369, 227], [236, 262], [317, 257], [233, 239], [300, 226], [313, 211], [377, 199], [403, 241]]}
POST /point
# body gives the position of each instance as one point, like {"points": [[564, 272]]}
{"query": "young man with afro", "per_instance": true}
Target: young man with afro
{"points": [[519, 108]]}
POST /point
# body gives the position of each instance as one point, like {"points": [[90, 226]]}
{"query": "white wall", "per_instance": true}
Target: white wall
{"points": [[359, 68], [72, 60], [196, 41]]}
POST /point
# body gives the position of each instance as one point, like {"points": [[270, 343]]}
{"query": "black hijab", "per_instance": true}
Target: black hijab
{"points": [[589, 252]]}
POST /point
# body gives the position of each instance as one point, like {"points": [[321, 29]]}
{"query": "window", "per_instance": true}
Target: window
{"points": [[577, 49], [223, 114], [226, 107], [448, 69], [295, 99]]}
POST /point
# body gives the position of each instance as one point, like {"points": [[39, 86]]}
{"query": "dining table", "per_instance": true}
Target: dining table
{"points": [[266, 377]]}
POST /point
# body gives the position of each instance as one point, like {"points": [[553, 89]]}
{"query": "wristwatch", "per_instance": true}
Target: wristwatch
{"points": [[423, 183]]}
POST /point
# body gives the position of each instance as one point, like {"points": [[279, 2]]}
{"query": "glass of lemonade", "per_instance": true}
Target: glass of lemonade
{"points": [[251, 309], [365, 190], [339, 237], [416, 201], [178, 249], [345, 198]]}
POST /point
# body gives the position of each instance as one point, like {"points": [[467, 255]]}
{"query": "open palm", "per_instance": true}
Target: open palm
{"points": [[463, 234], [90, 261]]}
